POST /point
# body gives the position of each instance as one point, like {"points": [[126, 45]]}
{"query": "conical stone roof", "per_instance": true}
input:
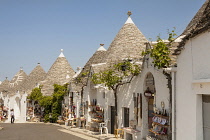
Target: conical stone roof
{"points": [[4, 85], [197, 18], [18, 79], [199, 24], [14, 85], [33, 79], [60, 73], [98, 57], [128, 43]]}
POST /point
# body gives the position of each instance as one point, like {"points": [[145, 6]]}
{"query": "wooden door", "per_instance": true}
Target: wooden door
{"points": [[206, 116], [150, 111], [112, 119], [126, 117]]}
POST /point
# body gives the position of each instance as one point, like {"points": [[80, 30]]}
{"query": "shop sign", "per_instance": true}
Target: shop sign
{"points": [[147, 94]]}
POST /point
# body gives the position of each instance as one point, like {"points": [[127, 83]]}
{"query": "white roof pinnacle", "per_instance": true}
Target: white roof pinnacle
{"points": [[101, 48], [61, 55], [129, 20]]}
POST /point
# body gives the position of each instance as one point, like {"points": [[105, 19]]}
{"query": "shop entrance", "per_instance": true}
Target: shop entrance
{"points": [[126, 117], [149, 93], [150, 111], [17, 107], [112, 119], [206, 116]]}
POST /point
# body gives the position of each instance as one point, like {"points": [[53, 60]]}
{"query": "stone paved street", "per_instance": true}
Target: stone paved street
{"points": [[37, 131]]}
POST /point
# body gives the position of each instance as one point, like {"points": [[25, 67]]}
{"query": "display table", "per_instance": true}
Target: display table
{"points": [[94, 126], [131, 134], [118, 132], [61, 122]]}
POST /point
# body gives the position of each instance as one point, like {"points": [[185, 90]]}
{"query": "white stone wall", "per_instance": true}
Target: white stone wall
{"points": [[162, 92], [192, 65], [125, 98], [18, 103]]}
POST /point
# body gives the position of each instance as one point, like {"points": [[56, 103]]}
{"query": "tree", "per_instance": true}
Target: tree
{"points": [[161, 51], [116, 75], [57, 98], [52, 104], [36, 94], [46, 102]]}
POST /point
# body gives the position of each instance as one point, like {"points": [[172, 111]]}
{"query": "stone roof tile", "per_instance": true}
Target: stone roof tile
{"points": [[33, 79], [60, 73], [199, 24], [128, 43]]}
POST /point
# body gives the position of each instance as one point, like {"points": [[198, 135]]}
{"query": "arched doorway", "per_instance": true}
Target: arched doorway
{"points": [[149, 93], [17, 106]]}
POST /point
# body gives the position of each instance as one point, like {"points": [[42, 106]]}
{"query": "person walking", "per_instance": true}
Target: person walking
{"points": [[12, 116]]}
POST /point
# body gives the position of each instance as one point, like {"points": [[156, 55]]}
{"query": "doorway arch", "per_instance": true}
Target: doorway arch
{"points": [[149, 93], [17, 107]]}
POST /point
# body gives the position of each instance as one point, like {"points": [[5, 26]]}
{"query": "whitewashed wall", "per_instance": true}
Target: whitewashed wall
{"points": [[193, 65], [162, 92], [125, 97]]}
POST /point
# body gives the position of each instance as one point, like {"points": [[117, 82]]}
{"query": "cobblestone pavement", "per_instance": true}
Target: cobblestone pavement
{"points": [[92, 134], [48, 131], [38, 131]]}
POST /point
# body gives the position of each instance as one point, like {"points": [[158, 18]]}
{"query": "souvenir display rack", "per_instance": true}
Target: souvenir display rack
{"points": [[3, 113], [160, 125], [97, 115]]}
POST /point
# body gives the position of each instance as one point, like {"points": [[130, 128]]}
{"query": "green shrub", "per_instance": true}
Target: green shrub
{"points": [[46, 118]]}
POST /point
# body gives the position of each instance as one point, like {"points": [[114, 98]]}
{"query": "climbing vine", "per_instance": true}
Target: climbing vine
{"points": [[161, 51]]}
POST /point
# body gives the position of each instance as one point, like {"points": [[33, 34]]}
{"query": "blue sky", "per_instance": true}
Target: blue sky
{"points": [[34, 31]]}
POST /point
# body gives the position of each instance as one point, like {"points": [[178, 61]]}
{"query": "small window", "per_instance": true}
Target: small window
{"points": [[104, 95]]}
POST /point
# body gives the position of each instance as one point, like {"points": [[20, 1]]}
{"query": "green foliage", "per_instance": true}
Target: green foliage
{"points": [[161, 51], [80, 79], [52, 104], [56, 108], [58, 96], [115, 74], [59, 92], [110, 78], [128, 68], [55, 117], [46, 102], [84, 74], [36, 94], [96, 78], [46, 118]]}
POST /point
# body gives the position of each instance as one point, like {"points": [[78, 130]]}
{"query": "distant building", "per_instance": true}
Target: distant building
{"points": [[13, 94]]}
